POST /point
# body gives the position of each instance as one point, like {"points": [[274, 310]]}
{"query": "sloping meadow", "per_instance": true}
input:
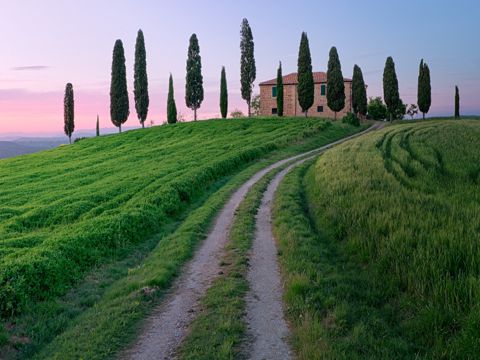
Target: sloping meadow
{"points": [[403, 204], [65, 210]]}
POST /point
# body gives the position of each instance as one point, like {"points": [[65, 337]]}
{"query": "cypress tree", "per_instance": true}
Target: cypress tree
{"points": [[171, 107], [223, 94], [359, 92], [194, 80], [424, 94], [119, 106], [248, 71], [279, 90], [457, 103], [68, 112], [305, 87], [140, 79], [390, 87], [98, 127], [335, 83]]}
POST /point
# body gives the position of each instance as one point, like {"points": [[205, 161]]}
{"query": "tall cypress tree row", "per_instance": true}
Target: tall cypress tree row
{"points": [[97, 133], [194, 79], [305, 87], [335, 83], [428, 87], [223, 94], [457, 103], [140, 79], [171, 106], [359, 92], [424, 93], [119, 106], [279, 90], [68, 112], [390, 87], [248, 71]]}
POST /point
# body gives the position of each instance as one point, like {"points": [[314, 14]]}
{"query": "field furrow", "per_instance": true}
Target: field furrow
{"points": [[395, 223]]}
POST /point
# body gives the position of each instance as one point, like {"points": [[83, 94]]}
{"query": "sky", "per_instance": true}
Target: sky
{"points": [[46, 44]]}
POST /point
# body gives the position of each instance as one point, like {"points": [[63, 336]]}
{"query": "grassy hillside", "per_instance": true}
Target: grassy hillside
{"points": [[65, 210], [393, 267], [103, 312]]}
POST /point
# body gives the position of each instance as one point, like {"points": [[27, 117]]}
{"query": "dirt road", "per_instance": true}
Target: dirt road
{"points": [[167, 326], [267, 328]]}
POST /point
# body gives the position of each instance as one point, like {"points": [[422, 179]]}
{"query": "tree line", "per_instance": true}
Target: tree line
{"points": [[394, 108], [194, 92]]}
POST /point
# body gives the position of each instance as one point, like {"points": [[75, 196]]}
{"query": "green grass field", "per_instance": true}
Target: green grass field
{"points": [[110, 200], [384, 262]]}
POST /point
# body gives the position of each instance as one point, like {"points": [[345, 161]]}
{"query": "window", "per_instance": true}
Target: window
{"points": [[323, 89], [274, 91], [320, 108], [274, 111]]}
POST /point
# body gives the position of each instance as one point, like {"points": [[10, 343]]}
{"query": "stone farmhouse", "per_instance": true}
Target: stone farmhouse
{"points": [[291, 107]]}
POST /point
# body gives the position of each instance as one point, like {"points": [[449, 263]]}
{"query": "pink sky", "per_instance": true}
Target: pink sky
{"points": [[24, 111]]}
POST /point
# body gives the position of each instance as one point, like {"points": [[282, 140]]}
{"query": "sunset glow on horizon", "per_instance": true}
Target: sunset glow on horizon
{"points": [[49, 43]]}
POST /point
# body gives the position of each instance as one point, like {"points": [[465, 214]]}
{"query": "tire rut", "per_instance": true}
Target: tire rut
{"points": [[168, 325], [266, 325]]}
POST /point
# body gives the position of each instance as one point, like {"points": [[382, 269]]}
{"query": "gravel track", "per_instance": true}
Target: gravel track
{"points": [[168, 324], [267, 328]]}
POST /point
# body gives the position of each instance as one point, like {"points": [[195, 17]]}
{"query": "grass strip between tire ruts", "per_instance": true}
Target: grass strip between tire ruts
{"points": [[219, 329]]}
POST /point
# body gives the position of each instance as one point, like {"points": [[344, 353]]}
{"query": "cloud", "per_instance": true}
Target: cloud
{"points": [[31, 68]]}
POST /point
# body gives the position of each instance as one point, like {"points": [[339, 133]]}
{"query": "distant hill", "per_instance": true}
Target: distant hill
{"points": [[27, 145], [41, 142], [14, 144], [10, 148]]}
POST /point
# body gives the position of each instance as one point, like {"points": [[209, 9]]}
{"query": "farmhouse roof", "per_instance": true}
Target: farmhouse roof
{"points": [[292, 79]]}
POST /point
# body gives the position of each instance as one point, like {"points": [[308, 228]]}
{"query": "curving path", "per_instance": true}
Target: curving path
{"points": [[267, 327], [167, 326]]}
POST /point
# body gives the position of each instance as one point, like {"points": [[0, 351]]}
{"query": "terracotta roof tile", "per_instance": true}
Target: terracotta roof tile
{"points": [[291, 79]]}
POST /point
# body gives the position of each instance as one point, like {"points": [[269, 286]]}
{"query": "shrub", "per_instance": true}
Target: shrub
{"points": [[255, 105], [351, 119], [80, 139], [237, 114], [412, 110], [376, 109], [400, 110]]}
